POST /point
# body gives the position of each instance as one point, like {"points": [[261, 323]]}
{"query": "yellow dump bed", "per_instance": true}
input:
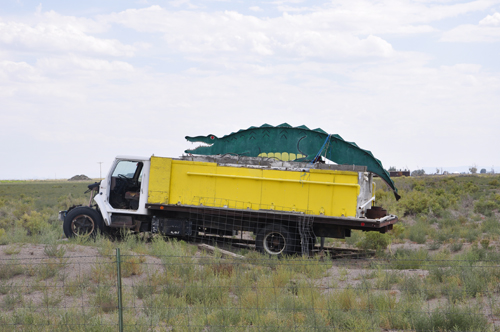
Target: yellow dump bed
{"points": [[312, 191]]}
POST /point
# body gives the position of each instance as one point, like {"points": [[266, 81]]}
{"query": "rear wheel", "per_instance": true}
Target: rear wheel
{"points": [[82, 222], [275, 240]]}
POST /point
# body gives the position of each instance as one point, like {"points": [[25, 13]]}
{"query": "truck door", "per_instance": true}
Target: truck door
{"points": [[125, 186]]}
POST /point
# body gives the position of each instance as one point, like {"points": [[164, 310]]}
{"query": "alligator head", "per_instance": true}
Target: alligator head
{"points": [[207, 146]]}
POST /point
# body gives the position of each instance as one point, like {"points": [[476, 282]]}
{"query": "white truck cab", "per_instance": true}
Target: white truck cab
{"points": [[125, 188]]}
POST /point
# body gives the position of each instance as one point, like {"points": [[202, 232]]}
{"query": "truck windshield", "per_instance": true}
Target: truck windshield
{"points": [[126, 168]]}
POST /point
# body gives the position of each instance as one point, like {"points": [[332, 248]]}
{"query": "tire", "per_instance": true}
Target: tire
{"points": [[82, 221], [275, 240]]}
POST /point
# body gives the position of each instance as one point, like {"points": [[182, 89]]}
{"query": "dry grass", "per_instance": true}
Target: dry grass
{"points": [[169, 284]]}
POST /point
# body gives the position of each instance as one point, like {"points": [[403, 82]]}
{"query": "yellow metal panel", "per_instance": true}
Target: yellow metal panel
{"points": [[159, 180], [241, 186], [187, 190], [332, 193], [284, 190]]}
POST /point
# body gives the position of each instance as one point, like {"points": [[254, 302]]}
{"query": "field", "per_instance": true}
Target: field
{"points": [[438, 270]]}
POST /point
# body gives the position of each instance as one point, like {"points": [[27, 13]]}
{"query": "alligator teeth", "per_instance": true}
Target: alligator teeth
{"points": [[202, 145]]}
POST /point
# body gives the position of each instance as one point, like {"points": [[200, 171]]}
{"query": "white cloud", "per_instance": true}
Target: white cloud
{"points": [[255, 8], [82, 24], [353, 29], [287, 36], [72, 62], [386, 16], [194, 104], [179, 3], [50, 37], [15, 70], [491, 20], [486, 31], [295, 9]]}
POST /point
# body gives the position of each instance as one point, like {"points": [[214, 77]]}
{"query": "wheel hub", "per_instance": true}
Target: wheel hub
{"points": [[82, 225], [274, 243]]}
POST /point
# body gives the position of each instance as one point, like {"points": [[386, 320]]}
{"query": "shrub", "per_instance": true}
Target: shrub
{"points": [[414, 202], [413, 285], [456, 246], [48, 268], [10, 269], [434, 245], [206, 294], [143, 291], [381, 194], [51, 298], [20, 210], [418, 233], [386, 278], [66, 201], [485, 207], [471, 234], [491, 226], [34, 222], [409, 259], [374, 240], [356, 236], [448, 233], [398, 231], [470, 187], [494, 183], [3, 237], [485, 243], [104, 299], [53, 250], [11, 300], [132, 265], [448, 222], [451, 318]]}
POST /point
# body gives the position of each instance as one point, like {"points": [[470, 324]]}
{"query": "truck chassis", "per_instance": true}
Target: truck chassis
{"points": [[120, 204]]}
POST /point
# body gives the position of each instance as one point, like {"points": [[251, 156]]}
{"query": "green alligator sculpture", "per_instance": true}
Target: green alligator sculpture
{"points": [[288, 143]]}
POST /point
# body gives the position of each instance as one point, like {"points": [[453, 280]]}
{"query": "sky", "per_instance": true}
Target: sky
{"points": [[415, 82]]}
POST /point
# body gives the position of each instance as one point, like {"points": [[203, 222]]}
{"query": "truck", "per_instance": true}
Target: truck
{"points": [[282, 206]]}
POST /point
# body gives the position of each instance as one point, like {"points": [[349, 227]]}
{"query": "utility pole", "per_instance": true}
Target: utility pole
{"points": [[100, 163]]}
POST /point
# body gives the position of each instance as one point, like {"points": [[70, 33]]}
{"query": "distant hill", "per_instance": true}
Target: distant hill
{"points": [[80, 178]]}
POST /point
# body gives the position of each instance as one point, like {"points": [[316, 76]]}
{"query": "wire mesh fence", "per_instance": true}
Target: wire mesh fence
{"points": [[273, 233], [192, 290]]}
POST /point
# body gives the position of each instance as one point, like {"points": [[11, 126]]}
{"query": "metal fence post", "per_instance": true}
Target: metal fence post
{"points": [[119, 289]]}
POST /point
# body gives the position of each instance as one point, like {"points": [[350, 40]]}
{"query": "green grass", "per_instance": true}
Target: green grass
{"points": [[44, 194], [29, 209]]}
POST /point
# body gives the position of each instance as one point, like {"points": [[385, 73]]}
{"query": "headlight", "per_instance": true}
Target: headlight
{"points": [[62, 215]]}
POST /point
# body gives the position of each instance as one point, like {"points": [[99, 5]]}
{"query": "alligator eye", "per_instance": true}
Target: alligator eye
{"points": [[212, 137]]}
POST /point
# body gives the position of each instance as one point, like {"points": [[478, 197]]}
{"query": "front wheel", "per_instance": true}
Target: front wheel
{"points": [[275, 240], [82, 222]]}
